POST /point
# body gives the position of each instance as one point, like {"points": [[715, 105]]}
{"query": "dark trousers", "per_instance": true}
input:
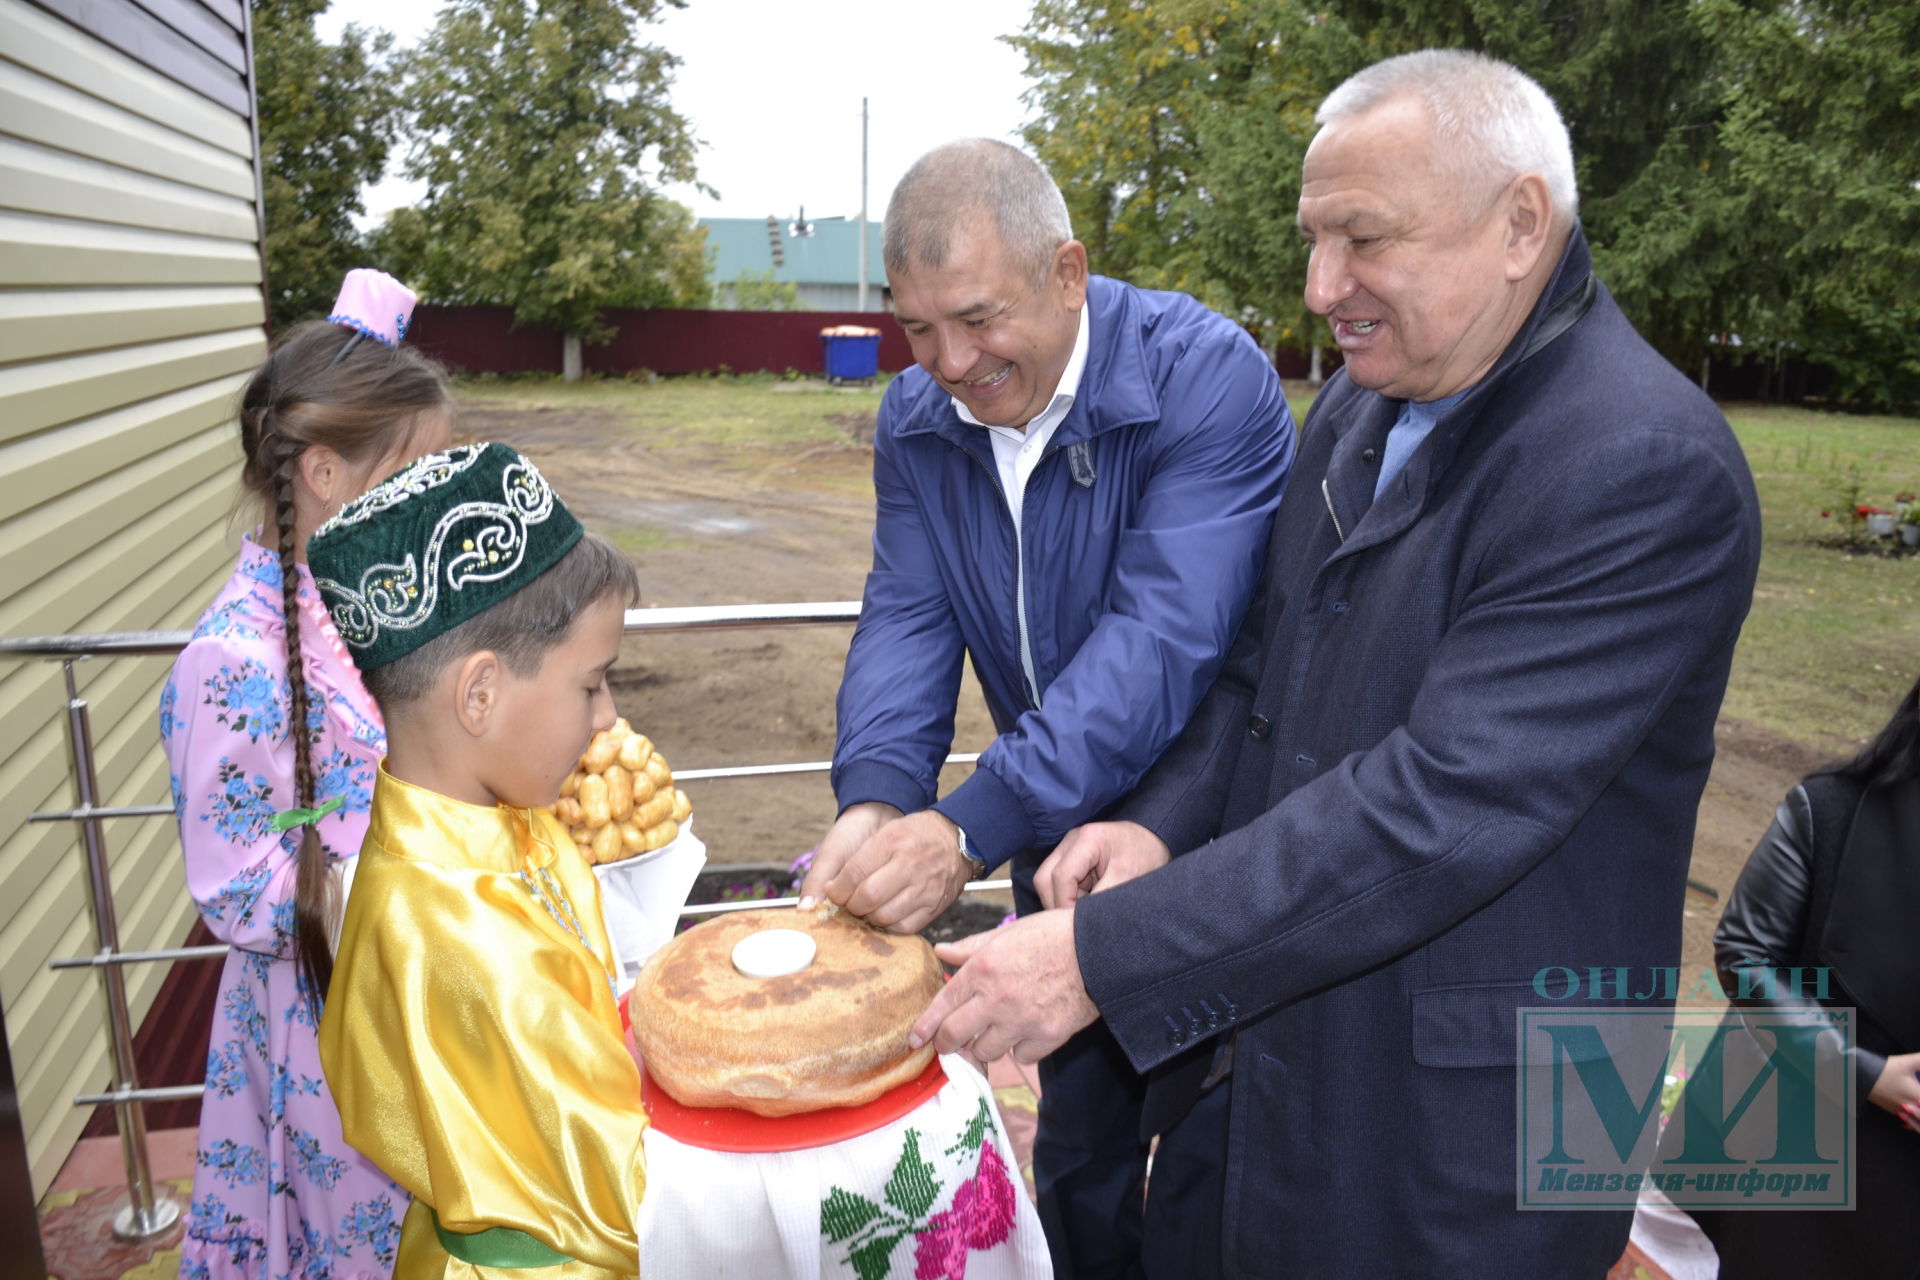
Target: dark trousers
{"points": [[1184, 1223], [1089, 1163]]}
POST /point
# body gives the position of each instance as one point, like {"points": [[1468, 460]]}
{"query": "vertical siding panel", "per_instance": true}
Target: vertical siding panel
{"points": [[130, 250]]}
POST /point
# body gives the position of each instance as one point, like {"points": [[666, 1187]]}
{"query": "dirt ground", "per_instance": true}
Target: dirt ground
{"points": [[782, 524]]}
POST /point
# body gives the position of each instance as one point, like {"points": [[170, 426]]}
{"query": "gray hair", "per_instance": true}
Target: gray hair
{"points": [[953, 184], [1493, 121]]}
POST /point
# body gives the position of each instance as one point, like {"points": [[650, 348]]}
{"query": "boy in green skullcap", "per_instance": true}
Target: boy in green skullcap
{"points": [[470, 1034]]}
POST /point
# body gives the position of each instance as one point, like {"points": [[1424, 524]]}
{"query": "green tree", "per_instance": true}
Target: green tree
{"points": [[542, 131], [1255, 143], [677, 265], [328, 114], [1821, 111], [759, 291], [399, 245], [1635, 83], [1117, 90], [1176, 128], [1746, 166]]}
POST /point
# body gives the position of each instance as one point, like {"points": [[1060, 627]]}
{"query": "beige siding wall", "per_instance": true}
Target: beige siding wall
{"points": [[130, 313]]}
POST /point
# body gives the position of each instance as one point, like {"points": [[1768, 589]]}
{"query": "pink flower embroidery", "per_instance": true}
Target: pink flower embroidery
{"points": [[980, 1217], [939, 1252], [989, 1210]]}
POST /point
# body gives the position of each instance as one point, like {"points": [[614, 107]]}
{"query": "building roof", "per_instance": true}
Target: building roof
{"points": [[830, 255]]}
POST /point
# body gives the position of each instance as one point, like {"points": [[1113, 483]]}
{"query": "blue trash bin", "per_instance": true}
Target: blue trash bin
{"points": [[852, 353]]}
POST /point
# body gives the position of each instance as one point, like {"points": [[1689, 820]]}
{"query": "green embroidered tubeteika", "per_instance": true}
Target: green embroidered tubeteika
{"points": [[439, 542]]}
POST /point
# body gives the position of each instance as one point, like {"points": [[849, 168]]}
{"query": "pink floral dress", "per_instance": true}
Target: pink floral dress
{"points": [[276, 1192]]}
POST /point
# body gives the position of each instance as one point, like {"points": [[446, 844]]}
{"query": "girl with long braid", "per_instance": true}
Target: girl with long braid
{"points": [[273, 743]]}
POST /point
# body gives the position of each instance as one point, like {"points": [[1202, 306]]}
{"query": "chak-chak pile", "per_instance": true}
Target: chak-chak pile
{"points": [[621, 800]]}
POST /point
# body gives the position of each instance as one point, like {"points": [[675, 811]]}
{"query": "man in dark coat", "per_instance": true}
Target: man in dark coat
{"points": [[1461, 739]]}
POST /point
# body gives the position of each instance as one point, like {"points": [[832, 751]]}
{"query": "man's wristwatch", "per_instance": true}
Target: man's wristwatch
{"points": [[974, 860]]}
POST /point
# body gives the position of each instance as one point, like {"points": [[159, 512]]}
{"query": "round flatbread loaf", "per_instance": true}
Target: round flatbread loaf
{"points": [[832, 1035]]}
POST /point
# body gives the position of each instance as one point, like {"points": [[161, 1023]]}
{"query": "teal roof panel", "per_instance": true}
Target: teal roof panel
{"points": [[830, 255]]}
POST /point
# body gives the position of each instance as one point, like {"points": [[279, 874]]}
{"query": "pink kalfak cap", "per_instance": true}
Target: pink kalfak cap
{"points": [[374, 304]]}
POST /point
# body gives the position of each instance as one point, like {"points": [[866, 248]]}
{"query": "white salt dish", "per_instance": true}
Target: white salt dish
{"points": [[773, 953]]}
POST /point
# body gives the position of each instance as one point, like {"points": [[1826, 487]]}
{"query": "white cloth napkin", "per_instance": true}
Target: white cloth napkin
{"points": [[1672, 1239], [341, 869], [642, 896], [935, 1195]]}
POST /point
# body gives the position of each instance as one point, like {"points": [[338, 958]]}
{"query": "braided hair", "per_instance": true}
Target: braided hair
{"points": [[365, 404]]}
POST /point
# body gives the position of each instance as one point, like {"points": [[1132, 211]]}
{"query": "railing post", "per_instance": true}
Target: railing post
{"points": [[146, 1214]]}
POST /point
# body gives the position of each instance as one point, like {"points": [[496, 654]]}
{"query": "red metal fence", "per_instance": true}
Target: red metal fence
{"points": [[483, 340]]}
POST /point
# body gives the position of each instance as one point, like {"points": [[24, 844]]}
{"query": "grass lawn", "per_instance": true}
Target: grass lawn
{"points": [[1833, 639], [741, 411], [1831, 643]]}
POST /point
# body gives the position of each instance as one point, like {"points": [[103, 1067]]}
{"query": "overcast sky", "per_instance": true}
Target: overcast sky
{"points": [[773, 91]]}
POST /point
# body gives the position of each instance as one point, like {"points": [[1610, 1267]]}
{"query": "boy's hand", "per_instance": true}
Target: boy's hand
{"points": [[848, 833]]}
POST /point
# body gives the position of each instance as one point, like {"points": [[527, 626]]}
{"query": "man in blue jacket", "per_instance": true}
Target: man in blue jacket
{"points": [[1075, 489], [1460, 741]]}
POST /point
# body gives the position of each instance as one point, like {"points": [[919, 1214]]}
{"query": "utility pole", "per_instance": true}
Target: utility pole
{"points": [[863, 204]]}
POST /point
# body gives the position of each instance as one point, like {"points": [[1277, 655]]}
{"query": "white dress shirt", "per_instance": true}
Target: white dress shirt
{"points": [[1016, 452]]}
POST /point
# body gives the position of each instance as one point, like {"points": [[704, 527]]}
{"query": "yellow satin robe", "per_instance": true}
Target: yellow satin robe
{"points": [[472, 1041]]}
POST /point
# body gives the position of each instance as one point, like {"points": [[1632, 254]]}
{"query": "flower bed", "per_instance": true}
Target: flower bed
{"points": [[1866, 529]]}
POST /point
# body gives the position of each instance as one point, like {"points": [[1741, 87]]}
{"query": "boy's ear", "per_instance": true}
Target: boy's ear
{"points": [[476, 690]]}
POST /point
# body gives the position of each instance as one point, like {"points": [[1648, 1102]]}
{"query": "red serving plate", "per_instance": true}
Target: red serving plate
{"points": [[731, 1129]]}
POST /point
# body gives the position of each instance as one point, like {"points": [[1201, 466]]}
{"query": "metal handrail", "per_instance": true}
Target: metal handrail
{"points": [[101, 811], [158, 1093], [150, 1214], [721, 617], [100, 958]]}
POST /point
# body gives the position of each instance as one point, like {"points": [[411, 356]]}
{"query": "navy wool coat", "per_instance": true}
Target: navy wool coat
{"points": [[1461, 738]]}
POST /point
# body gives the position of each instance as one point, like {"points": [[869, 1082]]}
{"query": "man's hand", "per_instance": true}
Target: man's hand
{"points": [[1018, 991], [849, 831], [1098, 856], [1898, 1089], [903, 875]]}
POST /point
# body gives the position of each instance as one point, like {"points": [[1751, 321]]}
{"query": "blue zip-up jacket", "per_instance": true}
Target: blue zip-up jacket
{"points": [[1144, 533]]}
